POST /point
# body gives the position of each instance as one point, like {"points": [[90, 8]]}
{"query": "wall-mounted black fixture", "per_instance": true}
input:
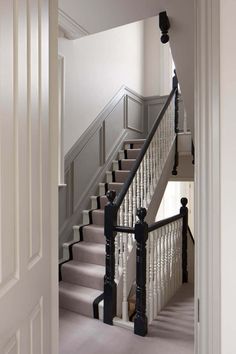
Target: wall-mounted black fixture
{"points": [[164, 25]]}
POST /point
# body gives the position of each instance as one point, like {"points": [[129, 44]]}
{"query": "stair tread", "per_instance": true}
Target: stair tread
{"points": [[94, 227], [122, 171], [133, 141], [136, 150], [98, 211], [90, 275], [89, 252], [130, 160]]}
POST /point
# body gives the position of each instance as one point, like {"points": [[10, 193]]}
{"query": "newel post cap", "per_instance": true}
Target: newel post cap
{"points": [[141, 214], [184, 202]]}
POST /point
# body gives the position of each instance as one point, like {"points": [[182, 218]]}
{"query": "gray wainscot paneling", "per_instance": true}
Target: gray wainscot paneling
{"points": [[128, 115]]}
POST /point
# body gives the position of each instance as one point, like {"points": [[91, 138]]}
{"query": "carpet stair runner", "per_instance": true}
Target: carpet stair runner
{"points": [[82, 277]]}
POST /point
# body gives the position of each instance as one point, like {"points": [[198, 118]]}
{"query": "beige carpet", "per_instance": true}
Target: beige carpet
{"points": [[172, 333]]}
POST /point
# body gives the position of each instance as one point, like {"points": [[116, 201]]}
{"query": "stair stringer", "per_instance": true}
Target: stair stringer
{"points": [[150, 218]]}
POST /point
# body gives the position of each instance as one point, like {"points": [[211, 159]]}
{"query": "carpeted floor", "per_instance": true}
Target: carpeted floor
{"points": [[172, 333]]}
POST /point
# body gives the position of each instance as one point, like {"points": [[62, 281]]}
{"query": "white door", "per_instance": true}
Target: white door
{"points": [[26, 281]]}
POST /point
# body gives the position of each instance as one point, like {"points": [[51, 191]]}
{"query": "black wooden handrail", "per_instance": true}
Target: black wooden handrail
{"points": [[151, 227], [124, 229], [145, 146], [164, 222]]}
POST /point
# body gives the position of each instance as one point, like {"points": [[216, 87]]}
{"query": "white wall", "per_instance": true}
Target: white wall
{"points": [[112, 13], [228, 173], [170, 204], [96, 67]]}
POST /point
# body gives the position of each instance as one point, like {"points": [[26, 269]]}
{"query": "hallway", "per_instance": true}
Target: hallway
{"points": [[173, 333]]}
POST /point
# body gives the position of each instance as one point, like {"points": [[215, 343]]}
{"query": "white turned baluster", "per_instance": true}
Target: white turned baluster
{"points": [[172, 261], [148, 177], [151, 287], [138, 201], [117, 245], [134, 186], [145, 181], [158, 153], [162, 268], [142, 183], [151, 170], [130, 216], [179, 256], [166, 263], [125, 256], [155, 294], [169, 260], [121, 239], [147, 277], [158, 271], [176, 258], [155, 160], [180, 251]]}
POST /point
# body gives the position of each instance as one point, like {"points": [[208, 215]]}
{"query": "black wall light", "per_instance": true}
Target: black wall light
{"points": [[164, 25]]}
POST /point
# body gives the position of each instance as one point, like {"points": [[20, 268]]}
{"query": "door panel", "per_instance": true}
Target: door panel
{"points": [[25, 189]]}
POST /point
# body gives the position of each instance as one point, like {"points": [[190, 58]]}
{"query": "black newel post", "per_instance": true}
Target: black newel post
{"points": [[109, 279], [141, 236], [175, 86], [184, 213]]}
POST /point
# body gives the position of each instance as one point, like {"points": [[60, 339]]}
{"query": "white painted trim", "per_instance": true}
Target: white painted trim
{"points": [[61, 115], [70, 27], [53, 111], [207, 179]]}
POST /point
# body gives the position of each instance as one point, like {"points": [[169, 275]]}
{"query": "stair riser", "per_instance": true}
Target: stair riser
{"points": [[127, 165], [121, 176], [103, 202], [89, 257], [132, 153], [98, 218], [115, 187], [75, 305], [90, 236], [75, 276], [133, 146]]}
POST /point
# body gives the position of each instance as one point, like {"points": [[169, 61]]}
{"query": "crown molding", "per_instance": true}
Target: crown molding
{"points": [[70, 28]]}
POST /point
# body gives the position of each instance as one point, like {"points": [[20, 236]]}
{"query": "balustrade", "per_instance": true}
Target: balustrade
{"points": [[137, 192]]}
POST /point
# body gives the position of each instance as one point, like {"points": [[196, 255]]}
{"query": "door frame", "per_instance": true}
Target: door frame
{"points": [[54, 130], [207, 177]]}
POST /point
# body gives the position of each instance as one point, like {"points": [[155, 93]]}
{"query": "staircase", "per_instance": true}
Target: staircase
{"points": [[112, 251], [82, 276]]}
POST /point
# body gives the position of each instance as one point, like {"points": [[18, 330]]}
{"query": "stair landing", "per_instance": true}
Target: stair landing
{"points": [[172, 333]]}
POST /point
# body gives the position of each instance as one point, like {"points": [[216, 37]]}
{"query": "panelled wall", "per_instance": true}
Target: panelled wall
{"points": [[25, 282], [129, 115]]}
